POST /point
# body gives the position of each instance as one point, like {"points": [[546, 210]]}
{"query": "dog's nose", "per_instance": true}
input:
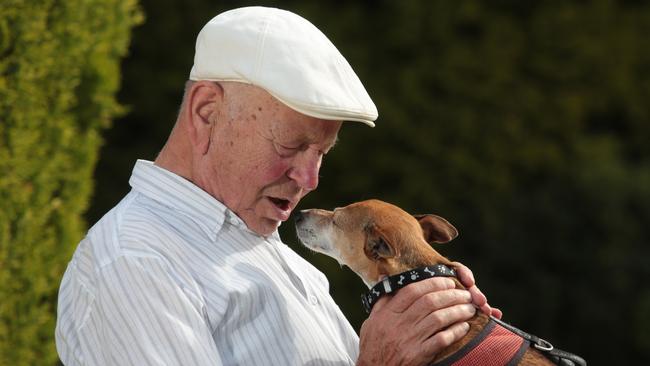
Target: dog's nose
{"points": [[299, 217]]}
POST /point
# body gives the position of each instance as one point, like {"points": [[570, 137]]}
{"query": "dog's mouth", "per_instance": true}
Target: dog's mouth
{"points": [[281, 203], [309, 238]]}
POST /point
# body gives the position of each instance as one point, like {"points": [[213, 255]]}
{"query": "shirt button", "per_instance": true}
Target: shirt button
{"points": [[313, 300]]}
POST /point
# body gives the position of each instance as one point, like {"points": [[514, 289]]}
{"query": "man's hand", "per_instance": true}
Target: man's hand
{"points": [[466, 277], [423, 318], [411, 327]]}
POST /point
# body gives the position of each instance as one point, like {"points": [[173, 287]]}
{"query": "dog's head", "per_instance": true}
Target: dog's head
{"points": [[374, 238]]}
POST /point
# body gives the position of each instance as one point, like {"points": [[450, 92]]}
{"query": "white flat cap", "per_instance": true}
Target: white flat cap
{"points": [[287, 56]]}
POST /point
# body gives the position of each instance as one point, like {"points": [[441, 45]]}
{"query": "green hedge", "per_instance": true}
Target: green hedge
{"points": [[59, 72]]}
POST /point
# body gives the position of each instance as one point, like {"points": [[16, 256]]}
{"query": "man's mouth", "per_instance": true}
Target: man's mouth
{"points": [[281, 203]]}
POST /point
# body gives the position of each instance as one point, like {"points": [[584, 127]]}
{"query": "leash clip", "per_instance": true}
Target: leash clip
{"points": [[543, 345]]}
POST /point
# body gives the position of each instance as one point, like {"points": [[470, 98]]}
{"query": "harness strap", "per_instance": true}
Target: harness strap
{"points": [[564, 358], [494, 345], [557, 356]]}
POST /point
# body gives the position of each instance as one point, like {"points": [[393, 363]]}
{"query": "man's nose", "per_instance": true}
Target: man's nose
{"points": [[305, 170]]}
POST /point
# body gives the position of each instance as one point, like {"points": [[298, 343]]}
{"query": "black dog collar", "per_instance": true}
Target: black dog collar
{"points": [[396, 282]]}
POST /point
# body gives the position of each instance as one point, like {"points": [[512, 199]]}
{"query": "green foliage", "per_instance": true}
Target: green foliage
{"points": [[59, 71], [524, 123]]}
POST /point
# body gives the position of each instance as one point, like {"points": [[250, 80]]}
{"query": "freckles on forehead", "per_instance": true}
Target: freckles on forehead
{"points": [[248, 101], [276, 121]]}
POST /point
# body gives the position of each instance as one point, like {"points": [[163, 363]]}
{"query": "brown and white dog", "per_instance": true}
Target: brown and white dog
{"points": [[377, 239]]}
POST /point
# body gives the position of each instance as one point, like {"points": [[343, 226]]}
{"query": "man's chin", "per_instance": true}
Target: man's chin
{"points": [[265, 219], [264, 227]]}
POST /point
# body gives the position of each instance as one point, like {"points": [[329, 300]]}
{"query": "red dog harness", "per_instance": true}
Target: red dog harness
{"points": [[495, 345]]}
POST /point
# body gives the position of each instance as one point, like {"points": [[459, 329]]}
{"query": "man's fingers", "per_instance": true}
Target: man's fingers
{"points": [[445, 338], [465, 275], [443, 318], [422, 319], [478, 298], [411, 293], [434, 301], [418, 321]]}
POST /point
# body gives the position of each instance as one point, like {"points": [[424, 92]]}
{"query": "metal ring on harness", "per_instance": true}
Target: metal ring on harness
{"points": [[543, 345]]}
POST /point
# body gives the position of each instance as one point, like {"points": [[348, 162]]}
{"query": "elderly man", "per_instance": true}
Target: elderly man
{"points": [[188, 269]]}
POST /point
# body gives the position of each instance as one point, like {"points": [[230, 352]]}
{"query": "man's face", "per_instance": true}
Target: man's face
{"points": [[263, 156]]}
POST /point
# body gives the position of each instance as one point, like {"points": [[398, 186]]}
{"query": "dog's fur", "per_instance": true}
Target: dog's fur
{"points": [[376, 239]]}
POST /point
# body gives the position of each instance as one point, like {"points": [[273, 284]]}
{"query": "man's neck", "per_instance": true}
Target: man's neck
{"points": [[176, 155]]}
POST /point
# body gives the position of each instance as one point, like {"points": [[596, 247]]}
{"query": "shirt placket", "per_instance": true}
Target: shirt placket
{"points": [[303, 288]]}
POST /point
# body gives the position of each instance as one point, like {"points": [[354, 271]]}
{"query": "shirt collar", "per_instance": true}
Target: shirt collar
{"points": [[235, 220], [178, 193]]}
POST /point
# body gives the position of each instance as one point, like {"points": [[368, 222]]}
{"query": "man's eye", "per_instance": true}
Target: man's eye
{"points": [[286, 150]]}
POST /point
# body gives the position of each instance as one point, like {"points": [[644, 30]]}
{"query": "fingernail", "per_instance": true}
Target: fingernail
{"points": [[465, 327], [486, 309], [467, 298], [450, 284]]}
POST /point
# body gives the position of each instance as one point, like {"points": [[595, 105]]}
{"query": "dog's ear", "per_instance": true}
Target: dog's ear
{"points": [[436, 229], [377, 246]]}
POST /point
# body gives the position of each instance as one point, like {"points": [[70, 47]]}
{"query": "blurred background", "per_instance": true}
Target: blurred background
{"points": [[525, 124]]}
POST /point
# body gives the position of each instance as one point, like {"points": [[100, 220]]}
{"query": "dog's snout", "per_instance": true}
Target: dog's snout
{"points": [[299, 217]]}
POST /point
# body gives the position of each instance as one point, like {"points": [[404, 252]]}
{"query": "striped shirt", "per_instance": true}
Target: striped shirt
{"points": [[170, 276]]}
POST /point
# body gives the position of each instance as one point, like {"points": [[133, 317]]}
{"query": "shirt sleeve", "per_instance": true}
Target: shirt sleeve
{"points": [[142, 316]]}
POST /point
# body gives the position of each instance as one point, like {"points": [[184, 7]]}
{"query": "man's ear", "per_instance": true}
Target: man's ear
{"points": [[377, 246], [204, 101], [436, 229]]}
